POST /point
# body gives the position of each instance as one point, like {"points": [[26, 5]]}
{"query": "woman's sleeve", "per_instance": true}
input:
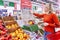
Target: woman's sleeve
{"points": [[38, 15], [56, 20], [53, 25]]}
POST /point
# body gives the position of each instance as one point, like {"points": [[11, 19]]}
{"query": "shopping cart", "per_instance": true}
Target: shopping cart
{"points": [[55, 36]]}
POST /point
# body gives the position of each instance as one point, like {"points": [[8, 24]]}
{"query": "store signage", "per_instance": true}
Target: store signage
{"points": [[26, 4], [11, 4], [1, 3]]}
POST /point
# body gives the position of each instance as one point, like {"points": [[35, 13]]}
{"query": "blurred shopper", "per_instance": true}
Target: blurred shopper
{"points": [[50, 21]]}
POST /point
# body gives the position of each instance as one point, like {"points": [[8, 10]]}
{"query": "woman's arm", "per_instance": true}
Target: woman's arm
{"points": [[38, 15], [53, 25]]}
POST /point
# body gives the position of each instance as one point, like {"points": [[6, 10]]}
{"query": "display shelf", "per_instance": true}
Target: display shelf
{"points": [[33, 35]]}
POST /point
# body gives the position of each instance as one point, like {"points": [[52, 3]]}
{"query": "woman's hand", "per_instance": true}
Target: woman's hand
{"points": [[45, 24]]}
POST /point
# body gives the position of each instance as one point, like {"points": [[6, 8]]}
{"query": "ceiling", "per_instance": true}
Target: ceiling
{"points": [[12, 0]]}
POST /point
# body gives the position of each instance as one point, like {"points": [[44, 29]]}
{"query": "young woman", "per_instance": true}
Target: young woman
{"points": [[50, 21]]}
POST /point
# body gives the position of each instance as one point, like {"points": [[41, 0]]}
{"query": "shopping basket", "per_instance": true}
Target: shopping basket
{"points": [[55, 36]]}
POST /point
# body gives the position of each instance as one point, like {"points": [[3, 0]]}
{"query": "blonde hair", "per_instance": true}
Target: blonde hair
{"points": [[49, 6]]}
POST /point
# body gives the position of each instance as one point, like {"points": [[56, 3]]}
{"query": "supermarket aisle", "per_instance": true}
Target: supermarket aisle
{"points": [[17, 21]]}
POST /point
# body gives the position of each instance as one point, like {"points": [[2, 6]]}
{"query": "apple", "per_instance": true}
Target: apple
{"points": [[2, 32], [1, 27]]}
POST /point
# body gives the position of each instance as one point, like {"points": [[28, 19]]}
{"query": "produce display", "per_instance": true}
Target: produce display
{"points": [[4, 32], [19, 35], [5, 37], [11, 30], [10, 25]]}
